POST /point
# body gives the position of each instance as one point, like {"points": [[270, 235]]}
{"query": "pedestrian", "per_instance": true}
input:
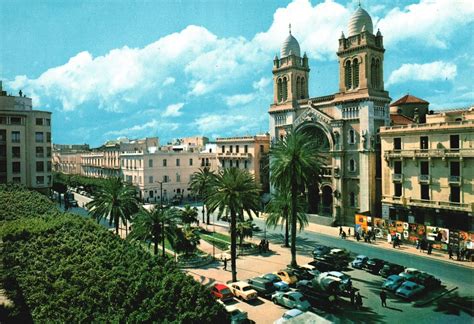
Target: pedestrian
{"points": [[430, 248], [359, 301], [267, 246], [340, 230], [373, 236], [225, 263], [349, 232], [458, 254], [343, 235], [357, 236], [369, 235], [383, 298], [352, 292], [463, 253], [450, 252], [417, 244]]}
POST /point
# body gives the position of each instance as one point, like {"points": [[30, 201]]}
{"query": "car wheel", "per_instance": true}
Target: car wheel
{"points": [[274, 301]]}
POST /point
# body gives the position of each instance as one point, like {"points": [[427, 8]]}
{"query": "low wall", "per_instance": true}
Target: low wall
{"points": [[321, 220]]}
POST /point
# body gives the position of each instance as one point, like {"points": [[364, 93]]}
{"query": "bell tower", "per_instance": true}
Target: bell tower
{"points": [[361, 56], [290, 73]]}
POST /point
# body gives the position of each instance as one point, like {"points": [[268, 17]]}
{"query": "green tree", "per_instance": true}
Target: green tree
{"points": [[235, 190], [187, 239], [294, 160], [114, 201], [155, 225], [201, 185], [244, 229], [278, 210], [189, 215]]}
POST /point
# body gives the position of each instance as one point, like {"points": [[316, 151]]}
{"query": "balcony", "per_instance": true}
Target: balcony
{"points": [[430, 153], [465, 207], [397, 177], [455, 180], [424, 178], [233, 155]]}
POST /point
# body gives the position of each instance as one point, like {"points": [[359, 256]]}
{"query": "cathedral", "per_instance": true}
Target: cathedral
{"points": [[345, 124]]}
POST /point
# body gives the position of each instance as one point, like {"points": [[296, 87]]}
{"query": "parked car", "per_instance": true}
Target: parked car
{"points": [[323, 266], [302, 273], [243, 290], [374, 265], [264, 287], [321, 250], [287, 276], [389, 269], [290, 314], [237, 316], [277, 282], [221, 292], [409, 290], [410, 274], [304, 284], [424, 279], [393, 282], [360, 261], [291, 299], [345, 280]]}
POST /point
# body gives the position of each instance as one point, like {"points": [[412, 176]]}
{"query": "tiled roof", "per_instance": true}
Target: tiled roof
{"points": [[408, 99], [398, 119]]}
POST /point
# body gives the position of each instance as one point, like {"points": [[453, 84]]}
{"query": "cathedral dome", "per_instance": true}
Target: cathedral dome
{"points": [[360, 21], [290, 46]]}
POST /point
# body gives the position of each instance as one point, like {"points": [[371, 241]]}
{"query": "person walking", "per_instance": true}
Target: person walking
{"points": [[430, 248], [349, 232], [450, 251], [458, 254], [340, 230], [352, 296], [383, 298], [225, 263], [359, 301]]}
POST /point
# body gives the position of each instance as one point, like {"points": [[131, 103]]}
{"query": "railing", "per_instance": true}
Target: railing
{"points": [[465, 123], [454, 179], [434, 153], [424, 178], [397, 177], [468, 207]]}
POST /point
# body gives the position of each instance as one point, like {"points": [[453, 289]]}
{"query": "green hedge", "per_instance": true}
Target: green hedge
{"points": [[64, 268]]}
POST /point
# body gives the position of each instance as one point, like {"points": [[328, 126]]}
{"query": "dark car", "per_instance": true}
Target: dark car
{"points": [[323, 266], [374, 265], [391, 269], [301, 273], [426, 280], [264, 287], [321, 250]]}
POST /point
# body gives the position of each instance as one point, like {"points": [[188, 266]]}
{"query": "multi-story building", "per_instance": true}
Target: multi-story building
{"points": [[246, 152], [165, 173], [25, 142], [428, 169], [345, 124]]}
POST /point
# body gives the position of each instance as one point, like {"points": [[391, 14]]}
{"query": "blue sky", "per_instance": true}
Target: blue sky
{"points": [[182, 68]]}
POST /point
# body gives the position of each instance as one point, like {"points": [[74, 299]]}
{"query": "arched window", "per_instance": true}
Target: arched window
{"points": [[378, 72], [351, 136], [298, 88], [303, 89], [355, 68], [285, 89], [352, 165], [348, 76], [373, 74], [352, 199], [280, 90]]}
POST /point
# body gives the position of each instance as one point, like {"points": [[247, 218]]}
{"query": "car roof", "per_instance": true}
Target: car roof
{"points": [[294, 293], [410, 283], [411, 270], [336, 273], [220, 286], [294, 312], [360, 256], [394, 277], [240, 283]]}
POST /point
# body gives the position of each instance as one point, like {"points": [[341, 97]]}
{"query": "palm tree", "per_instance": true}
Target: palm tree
{"points": [[294, 160], [278, 210], [189, 215], [154, 225], [116, 201], [187, 239], [201, 183], [244, 229], [234, 190]]}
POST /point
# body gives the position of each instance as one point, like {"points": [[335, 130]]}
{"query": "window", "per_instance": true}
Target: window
{"points": [[48, 122], [39, 180], [455, 169], [49, 180], [15, 120], [397, 189], [48, 137], [3, 152], [348, 75], [352, 165], [16, 151], [177, 162], [178, 177], [454, 142], [397, 143], [190, 162], [48, 166], [39, 137], [15, 137], [262, 149], [150, 179], [40, 166], [425, 191], [424, 142], [230, 148], [237, 164], [39, 121], [424, 168], [356, 73], [39, 152], [352, 199], [48, 152], [16, 167], [223, 148], [246, 148], [223, 164], [3, 120], [236, 149], [165, 162], [245, 164], [230, 163], [352, 136], [17, 179], [150, 163], [165, 178], [455, 195], [397, 167]]}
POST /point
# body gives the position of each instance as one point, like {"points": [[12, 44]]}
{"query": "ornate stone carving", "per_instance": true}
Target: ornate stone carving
{"points": [[312, 115]]}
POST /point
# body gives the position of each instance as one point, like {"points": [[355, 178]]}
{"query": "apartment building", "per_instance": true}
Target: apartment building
{"points": [[428, 170], [25, 142], [246, 152]]}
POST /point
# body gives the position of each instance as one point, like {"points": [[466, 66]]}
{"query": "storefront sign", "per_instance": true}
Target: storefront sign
{"points": [[385, 211]]}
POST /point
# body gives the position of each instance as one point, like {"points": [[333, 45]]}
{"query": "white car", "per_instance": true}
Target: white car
{"points": [[344, 279], [243, 290], [292, 313], [236, 315]]}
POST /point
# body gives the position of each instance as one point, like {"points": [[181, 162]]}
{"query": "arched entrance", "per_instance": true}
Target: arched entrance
{"points": [[326, 201]]}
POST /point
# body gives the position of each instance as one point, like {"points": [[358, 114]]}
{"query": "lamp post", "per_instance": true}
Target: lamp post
{"points": [[163, 219]]}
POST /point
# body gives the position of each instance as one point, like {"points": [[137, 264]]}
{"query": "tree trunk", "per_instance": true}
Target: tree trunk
{"points": [[287, 227], [155, 247], [117, 226], [203, 216], [233, 243], [208, 216], [163, 239], [294, 196]]}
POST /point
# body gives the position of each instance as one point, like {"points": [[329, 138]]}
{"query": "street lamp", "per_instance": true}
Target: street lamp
{"points": [[163, 219]]}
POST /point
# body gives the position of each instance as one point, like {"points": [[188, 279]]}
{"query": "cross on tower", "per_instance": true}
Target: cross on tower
{"points": [[289, 27]]}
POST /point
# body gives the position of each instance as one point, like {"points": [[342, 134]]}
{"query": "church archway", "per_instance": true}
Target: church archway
{"points": [[326, 201]]}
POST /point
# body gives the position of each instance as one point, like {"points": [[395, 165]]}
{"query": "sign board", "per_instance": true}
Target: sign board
{"points": [[385, 211]]}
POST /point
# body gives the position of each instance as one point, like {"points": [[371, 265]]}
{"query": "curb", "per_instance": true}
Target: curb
{"points": [[426, 302], [196, 264]]}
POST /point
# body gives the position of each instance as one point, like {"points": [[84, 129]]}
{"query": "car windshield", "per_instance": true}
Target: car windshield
{"points": [[225, 291], [246, 288]]}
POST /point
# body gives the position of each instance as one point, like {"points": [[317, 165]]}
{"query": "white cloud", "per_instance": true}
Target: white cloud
{"points": [[429, 21], [213, 122], [173, 110], [239, 99], [150, 128], [168, 81], [261, 84], [433, 71]]}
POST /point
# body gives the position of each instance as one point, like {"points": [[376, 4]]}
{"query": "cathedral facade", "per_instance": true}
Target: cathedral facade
{"points": [[345, 124]]}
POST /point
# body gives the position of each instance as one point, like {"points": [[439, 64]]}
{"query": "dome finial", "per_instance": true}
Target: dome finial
{"points": [[289, 27], [359, 4]]}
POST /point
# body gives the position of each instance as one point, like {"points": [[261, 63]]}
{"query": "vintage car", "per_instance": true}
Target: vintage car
{"points": [[243, 290], [291, 299], [393, 282], [221, 292], [408, 290], [287, 276], [359, 261]]}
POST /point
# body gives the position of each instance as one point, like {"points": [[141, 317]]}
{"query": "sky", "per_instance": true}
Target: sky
{"points": [[142, 68]]}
